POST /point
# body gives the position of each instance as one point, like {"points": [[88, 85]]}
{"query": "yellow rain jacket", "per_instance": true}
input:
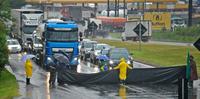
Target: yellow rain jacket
{"points": [[122, 69], [28, 68]]}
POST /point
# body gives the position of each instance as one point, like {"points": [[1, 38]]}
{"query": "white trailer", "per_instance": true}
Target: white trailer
{"points": [[132, 30], [26, 21]]}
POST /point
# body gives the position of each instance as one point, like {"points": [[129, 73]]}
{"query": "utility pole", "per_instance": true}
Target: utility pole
{"points": [[118, 8], [124, 8], [140, 35], [190, 13], [108, 8], [115, 8]]}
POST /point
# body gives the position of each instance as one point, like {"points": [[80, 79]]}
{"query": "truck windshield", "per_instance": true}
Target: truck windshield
{"points": [[37, 41], [28, 29], [62, 35], [178, 21]]}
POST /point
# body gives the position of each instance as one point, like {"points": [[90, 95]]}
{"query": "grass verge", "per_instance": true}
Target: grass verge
{"points": [[189, 34], [8, 85], [115, 35], [156, 54]]}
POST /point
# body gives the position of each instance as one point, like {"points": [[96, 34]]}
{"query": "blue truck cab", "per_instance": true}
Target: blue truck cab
{"points": [[61, 36]]}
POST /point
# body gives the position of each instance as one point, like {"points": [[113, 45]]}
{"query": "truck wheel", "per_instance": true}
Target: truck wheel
{"points": [[91, 60], [123, 39], [81, 57]]}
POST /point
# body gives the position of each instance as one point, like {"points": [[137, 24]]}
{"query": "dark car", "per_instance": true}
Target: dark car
{"points": [[116, 54]]}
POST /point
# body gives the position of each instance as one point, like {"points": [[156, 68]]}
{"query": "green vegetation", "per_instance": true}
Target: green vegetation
{"points": [[115, 35], [190, 34], [8, 85], [157, 55], [5, 10], [4, 16], [3, 47], [16, 4]]}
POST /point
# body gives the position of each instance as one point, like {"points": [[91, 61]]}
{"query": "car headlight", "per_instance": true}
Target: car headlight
{"points": [[128, 62], [9, 48], [25, 44], [18, 47], [95, 53], [75, 58], [111, 62], [49, 60]]}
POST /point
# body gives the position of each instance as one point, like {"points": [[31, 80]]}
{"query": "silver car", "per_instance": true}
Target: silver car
{"points": [[14, 46]]}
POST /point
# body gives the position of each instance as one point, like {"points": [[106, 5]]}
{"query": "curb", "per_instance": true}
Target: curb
{"points": [[7, 67]]}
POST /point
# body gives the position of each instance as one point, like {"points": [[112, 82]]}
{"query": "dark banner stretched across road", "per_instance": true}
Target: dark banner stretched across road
{"points": [[165, 75]]}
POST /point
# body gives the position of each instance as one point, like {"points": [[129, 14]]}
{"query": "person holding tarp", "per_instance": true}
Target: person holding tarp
{"points": [[194, 75], [103, 65], [122, 70], [103, 62]]}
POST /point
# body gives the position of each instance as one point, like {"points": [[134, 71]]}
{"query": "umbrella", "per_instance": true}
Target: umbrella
{"points": [[61, 58], [27, 56], [102, 57]]}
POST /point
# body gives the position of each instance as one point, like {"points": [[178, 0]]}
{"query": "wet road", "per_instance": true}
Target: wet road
{"points": [[39, 88]]}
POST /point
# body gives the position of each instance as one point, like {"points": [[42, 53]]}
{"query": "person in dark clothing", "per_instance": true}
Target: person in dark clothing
{"points": [[52, 70], [194, 75]]}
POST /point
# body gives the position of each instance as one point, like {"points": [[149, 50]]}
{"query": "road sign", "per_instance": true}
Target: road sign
{"points": [[159, 20], [197, 44], [92, 26], [137, 29]]}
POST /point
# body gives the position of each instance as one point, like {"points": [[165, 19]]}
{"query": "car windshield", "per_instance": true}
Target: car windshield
{"points": [[12, 42], [119, 51], [100, 47], [118, 56], [104, 52], [28, 29], [89, 45]]}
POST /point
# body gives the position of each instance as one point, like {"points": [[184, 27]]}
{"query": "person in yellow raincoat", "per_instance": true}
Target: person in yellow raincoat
{"points": [[28, 70], [122, 70]]}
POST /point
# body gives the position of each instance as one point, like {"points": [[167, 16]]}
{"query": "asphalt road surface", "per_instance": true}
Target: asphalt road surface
{"points": [[39, 88]]}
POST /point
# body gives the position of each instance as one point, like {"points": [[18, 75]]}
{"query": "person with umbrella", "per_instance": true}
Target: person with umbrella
{"points": [[28, 66], [122, 70], [103, 59]]}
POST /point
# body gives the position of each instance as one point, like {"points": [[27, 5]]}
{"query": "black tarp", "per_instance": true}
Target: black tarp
{"points": [[164, 75]]}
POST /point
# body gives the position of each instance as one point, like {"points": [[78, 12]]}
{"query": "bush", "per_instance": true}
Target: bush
{"points": [[3, 47]]}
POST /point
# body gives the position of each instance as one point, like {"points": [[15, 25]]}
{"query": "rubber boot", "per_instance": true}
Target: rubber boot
{"points": [[27, 81]]}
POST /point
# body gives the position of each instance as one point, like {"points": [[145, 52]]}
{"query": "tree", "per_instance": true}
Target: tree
{"points": [[5, 10], [3, 47], [16, 4], [4, 17]]}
